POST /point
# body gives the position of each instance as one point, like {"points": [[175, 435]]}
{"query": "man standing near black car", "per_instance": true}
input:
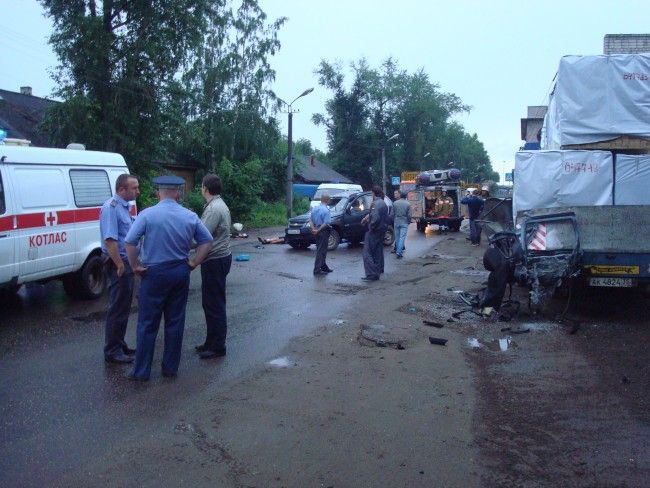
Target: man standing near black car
{"points": [[320, 220], [215, 269], [114, 223], [373, 241]]}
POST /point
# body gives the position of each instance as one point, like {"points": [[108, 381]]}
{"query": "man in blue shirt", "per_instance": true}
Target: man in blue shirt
{"points": [[474, 207], [320, 219], [168, 230], [114, 223]]}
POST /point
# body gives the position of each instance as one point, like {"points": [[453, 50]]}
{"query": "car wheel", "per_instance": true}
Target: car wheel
{"points": [[334, 240], [89, 282], [389, 237]]}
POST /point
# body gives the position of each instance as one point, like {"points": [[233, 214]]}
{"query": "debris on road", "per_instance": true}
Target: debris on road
{"points": [[437, 341], [379, 335], [433, 324], [242, 257]]}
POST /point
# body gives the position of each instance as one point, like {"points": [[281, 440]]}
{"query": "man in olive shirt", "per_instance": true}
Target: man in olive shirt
{"points": [[215, 268]]}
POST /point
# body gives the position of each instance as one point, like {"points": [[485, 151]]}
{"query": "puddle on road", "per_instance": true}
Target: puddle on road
{"points": [[281, 362]]}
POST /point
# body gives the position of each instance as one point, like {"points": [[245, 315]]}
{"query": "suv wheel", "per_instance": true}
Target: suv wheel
{"points": [[334, 240]]}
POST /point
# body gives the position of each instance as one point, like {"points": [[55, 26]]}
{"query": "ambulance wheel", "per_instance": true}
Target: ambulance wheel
{"points": [[89, 282]]}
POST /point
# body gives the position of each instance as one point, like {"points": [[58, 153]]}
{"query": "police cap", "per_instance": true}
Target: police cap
{"points": [[168, 182]]}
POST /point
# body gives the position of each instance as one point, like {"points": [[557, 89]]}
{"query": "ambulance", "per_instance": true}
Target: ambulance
{"points": [[49, 216]]}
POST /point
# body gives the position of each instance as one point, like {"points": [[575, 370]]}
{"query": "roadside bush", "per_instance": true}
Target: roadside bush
{"points": [[242, 185]]}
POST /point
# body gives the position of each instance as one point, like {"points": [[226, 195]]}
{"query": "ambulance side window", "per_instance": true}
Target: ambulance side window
{"points": [[91, 187], [3, 207]]}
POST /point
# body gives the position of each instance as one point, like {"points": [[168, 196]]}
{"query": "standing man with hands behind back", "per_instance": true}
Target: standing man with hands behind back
{"points": [[114, 222], [320, 219], [168, 230]]}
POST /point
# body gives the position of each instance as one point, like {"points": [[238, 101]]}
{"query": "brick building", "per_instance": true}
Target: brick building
{"points": [[626, 43]]}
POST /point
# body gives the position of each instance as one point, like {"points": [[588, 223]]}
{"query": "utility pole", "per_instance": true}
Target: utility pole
{"points": [[290, 113], [383, 161]]}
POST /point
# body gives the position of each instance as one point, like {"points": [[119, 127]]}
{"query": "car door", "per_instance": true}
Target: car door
{"points": [[358, 208], [7, 233]]}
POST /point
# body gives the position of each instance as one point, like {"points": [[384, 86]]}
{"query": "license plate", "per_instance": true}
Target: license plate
{"points": [[293, 231], [612, 282]]}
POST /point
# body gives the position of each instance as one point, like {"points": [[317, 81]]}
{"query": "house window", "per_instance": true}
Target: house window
{"points": [[91, 188]]}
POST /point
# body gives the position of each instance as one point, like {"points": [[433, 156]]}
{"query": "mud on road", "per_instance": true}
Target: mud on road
{"points": [[559, 402]]}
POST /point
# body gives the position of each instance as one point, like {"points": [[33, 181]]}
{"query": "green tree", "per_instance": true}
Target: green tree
{"points": [[117, 59], [386, 101]]}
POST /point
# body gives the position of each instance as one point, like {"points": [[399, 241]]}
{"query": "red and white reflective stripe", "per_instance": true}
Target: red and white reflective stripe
{"points": [[539, 239], [49, 218]]}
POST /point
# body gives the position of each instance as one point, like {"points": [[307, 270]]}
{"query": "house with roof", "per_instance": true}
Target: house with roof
{"points": [[312, 171], [22, 113]]}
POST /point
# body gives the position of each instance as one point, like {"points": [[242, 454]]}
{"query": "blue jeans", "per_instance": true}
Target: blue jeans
{"points": [[474, 231], [120, 294], [400, 236], [163, 290]]}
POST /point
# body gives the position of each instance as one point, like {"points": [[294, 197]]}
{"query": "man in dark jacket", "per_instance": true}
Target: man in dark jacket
{"points": [[373, 242], [474, 207]]}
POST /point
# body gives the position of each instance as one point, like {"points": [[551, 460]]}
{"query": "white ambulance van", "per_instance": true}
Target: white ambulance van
{"points": [[49, 216]]}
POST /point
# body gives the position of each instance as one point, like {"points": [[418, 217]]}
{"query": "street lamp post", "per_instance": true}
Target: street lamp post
{"points": [[290, 113], [422, 160], [383, 161]]}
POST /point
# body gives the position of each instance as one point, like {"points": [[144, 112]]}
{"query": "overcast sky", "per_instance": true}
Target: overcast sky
{"points": [[498, 56]]}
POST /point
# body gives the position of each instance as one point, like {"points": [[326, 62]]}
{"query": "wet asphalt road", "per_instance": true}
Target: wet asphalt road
{"points": [[62, 406]]}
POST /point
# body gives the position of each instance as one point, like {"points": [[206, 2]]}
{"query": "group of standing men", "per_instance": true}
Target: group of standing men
{"points": [[156, 245], [377, 221]]}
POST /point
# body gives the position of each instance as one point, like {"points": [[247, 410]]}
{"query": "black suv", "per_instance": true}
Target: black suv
{"points": [[347, 210]]}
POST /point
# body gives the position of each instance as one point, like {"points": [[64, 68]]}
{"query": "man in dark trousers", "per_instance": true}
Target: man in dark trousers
{"points": [[114, 223], [215, 268], [320, 219], [168, 230], [373, 241], [474, 207]]}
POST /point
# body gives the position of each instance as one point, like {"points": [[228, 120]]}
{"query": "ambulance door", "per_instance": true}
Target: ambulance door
{"points": [[7, 245], [45, 237]]}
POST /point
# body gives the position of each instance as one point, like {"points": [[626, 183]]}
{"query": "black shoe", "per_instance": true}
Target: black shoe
{"points": [[168, 375], [200, 348], [370, 278], [327, 269], [119, 359], [319, 272], [132, 377], [128, 351], [213, 354]]}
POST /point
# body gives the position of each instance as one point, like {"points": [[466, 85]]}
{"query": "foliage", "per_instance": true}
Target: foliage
{"points": [[116, 61], [272, 214], [387, 101]]}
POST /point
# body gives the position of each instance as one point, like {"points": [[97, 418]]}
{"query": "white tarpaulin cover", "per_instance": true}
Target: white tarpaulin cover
{"points": [[549, 179], [598, 98], [632, 180]]}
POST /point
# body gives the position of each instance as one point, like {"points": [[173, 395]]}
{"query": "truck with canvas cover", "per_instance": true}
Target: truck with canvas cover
{"points": [[436, 198]]}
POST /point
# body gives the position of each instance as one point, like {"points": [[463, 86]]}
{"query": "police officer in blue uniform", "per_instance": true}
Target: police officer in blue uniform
{"points": [[168, 230], [114, 223]]}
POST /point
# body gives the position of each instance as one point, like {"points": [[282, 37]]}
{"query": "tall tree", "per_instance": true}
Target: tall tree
{"points": [[117, 59], [387, 101]]}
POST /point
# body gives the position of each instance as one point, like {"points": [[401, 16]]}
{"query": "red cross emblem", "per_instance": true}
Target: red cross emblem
{"points": [[50, 219]]}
